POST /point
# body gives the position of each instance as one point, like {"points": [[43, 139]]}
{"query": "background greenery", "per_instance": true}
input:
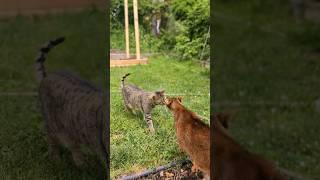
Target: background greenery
{"points": [[23, 147], [261, 60], [184, 26]]}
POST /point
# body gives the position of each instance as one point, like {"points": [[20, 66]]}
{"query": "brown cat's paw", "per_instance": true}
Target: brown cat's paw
{"points": [[194, 168]]}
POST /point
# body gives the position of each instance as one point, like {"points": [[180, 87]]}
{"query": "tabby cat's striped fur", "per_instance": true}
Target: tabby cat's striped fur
{"points": [[136, 99], [74, 111]]}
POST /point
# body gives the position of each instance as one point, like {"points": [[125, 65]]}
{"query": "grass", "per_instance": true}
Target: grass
{"points": [[133, 149], [260, 56], [23, 147]]}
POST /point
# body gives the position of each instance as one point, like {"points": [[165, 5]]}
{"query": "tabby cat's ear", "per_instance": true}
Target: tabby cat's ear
{"points": [[179, 99]]}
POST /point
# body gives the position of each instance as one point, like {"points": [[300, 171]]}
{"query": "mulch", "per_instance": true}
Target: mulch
{"points": [[181, 171]]}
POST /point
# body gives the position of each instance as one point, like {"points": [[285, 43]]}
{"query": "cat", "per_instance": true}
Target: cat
{"points": [[74, 111], [193, 135], [231, 161], [138, 100]]}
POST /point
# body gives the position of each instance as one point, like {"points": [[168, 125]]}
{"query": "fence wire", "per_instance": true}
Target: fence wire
{"points": [[226, 103]]}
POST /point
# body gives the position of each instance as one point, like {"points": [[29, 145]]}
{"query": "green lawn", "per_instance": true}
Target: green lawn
{"points": [[23, 147], [260, 56], [132, 148]]}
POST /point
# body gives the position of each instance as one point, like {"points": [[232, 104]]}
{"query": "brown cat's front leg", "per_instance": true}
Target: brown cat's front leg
{"points": [[194, 168], [148, 119], [206, 177]]}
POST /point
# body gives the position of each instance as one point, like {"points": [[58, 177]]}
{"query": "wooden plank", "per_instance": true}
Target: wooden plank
{"points": [[131, 62], [31, 7], [136, 27], [126, 21]]}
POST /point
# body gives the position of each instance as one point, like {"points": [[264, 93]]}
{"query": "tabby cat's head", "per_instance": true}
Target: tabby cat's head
{"points": [[158, 97]]}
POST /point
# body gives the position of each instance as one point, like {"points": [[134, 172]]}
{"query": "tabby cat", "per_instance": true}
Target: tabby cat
{"points": [[136, 99], [74, 111]]}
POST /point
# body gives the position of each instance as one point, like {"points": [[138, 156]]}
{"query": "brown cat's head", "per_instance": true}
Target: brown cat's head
{"points": [[158, 97], [173, 102]]}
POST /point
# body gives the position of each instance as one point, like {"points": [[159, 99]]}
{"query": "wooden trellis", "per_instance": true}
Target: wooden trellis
{"points": [[125, 59]]}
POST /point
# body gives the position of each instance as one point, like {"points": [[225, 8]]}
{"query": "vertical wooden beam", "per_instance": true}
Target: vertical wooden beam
{"points": [[126, 22], [136, 28]]}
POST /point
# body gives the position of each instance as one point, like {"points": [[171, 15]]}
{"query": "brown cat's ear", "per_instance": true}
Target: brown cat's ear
{"points": [[224, 119], [179, 99]]}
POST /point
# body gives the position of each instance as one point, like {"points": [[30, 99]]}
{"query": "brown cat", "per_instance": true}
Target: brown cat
{"points": [[193, 135], [231, 161]]}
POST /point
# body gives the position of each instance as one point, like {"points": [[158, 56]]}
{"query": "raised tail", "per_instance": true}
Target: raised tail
{"points": [[123, 78], [40, 69]]}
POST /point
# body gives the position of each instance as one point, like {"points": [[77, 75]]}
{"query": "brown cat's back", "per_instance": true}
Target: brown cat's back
{"points": [[232, 161]]}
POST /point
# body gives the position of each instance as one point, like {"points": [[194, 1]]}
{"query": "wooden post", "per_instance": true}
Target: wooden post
{"points": [[126, 22], [136, 28]]}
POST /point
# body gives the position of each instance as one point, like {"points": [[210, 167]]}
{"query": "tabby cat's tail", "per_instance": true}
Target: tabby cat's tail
{"points": [[40, 69], [123, 78]]}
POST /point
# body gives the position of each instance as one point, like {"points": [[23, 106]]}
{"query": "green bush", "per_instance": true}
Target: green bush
{"points": [[184, 25], [146, 10], [192, 18]]}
